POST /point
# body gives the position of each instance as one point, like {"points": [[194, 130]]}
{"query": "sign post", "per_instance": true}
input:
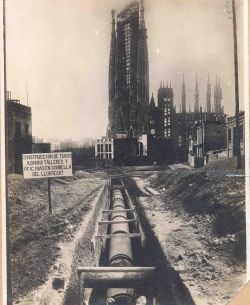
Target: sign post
{"points": [[47, 165], [49, 196]]}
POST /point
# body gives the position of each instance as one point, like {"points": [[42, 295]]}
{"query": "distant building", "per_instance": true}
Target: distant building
{"points": [[231, 135], [104, 148], [218, 97], [68, 144], [19, 133], [205, 137], [196, 97], [37, 140], [41, 148], [162, 126], [55, 145], [185, 125], [209, 94], [87, 142], [183, 96], [122, 150]]}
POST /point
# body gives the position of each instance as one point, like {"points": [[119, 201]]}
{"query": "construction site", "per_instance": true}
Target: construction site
{"points": [[127, 233]]}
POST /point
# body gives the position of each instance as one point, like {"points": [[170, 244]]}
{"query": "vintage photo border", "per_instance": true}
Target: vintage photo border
{"points": [[243, 297]]}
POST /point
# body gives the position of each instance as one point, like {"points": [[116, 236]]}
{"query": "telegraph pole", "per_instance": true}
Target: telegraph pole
{"points": [[236, 79]]}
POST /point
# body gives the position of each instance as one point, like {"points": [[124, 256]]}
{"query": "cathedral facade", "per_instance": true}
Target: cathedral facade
{"points": [[128, 74]]}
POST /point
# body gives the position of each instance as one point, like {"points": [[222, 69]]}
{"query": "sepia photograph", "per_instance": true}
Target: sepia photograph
{"points": [[125, 151]]}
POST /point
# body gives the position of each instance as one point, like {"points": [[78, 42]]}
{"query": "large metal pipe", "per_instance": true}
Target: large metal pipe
{"points": [[120, 250]]}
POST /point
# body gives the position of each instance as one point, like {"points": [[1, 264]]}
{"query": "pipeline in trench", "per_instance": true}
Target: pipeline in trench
{"points": [[130, 265]]}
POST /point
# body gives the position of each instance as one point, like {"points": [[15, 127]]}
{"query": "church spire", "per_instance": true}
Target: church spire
{"points": [[196, 96], [217, 96], [152, 102], [183, 97], [209, 93], [113, 21]]}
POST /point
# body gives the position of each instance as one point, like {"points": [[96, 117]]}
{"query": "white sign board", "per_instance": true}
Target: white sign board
{"points": [[47, 165]]}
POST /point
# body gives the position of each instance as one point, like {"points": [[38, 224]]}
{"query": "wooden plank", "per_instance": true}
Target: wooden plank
{"points": [[115, 269], [116, 187], [130, 235], [116, 277], [120, 210], [105, 222]]}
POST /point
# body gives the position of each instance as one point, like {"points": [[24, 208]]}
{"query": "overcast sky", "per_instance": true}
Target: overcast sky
{"points": [[60, 49]]}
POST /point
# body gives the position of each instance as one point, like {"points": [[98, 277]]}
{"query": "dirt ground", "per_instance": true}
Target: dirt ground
{"points": [[34, 234], [199, 217]]}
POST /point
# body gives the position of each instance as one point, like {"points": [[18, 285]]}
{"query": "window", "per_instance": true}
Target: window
{"points": [[110, 149], [165, 99], [98, 148], [18, 129], [180, 141], [241, 133], [26, 130], [229, 135], [106, 147]]}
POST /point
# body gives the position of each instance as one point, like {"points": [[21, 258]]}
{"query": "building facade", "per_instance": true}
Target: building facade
{"points": [[104, 148], [128, 73], [231, 135], [19, 134], [206, 137], [163, 136]]}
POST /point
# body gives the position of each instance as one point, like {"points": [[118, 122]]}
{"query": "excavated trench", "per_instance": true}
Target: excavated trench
{"points": [[122, 238]]}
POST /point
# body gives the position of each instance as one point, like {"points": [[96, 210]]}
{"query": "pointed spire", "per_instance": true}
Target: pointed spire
{"points": [[183, 100], [113, 20], [160, 84], [142, 20], [196, 86], [196, 96], [163, 85], [152, 101], [209, 93], [170, 85]]}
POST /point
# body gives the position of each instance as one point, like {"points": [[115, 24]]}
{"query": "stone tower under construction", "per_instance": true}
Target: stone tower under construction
{"points": [[128, 73]]}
